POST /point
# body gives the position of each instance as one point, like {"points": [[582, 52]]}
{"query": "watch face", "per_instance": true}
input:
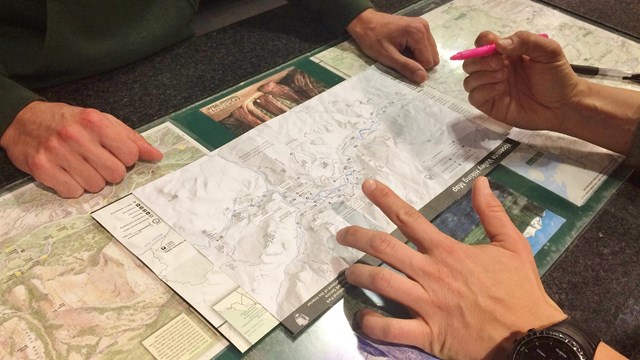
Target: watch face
{"points": [[547, 347]]}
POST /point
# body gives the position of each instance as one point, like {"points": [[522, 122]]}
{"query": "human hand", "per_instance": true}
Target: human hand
{"points": [[467, 301], [73, 149], [529, 84], [402, 43]]}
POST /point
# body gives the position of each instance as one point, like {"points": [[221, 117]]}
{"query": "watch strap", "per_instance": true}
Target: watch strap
{"points": [[581, 335]]}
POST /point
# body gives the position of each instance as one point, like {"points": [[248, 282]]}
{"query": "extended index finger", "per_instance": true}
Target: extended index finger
{"points": [[410, 222]]}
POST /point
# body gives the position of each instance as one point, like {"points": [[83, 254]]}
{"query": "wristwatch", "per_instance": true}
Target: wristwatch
{"points": [[567, 340]]}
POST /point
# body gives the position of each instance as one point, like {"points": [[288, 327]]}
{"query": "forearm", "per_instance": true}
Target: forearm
{"points": [[602, 115], [605, 352]]}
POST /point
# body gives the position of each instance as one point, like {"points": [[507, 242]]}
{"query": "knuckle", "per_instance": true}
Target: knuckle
{"points": [[381, 279], [425, 24], [493, 205], [428, 63], [556, 48], [521, 34], [382, 243], [96, 185], [407, 216], [523, 39], [466, 67], [116, 175], [68, 190], [466, 84], [129, 157], [90, 116], [71, 193], [67, 133], [37, 164], [392, 332], [92, 119], [416, 29], [483, 38], [474, 99]]}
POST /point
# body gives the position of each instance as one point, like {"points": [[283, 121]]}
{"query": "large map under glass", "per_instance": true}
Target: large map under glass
{"points": [[265, 208], [68, 289], [57, 262], [573, 170]]}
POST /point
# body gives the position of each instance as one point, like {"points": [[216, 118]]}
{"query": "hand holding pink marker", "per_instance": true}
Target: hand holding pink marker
{"points": [[481, 51]]}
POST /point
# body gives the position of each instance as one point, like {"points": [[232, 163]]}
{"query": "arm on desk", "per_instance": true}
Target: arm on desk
{"points": [[531, 85]]}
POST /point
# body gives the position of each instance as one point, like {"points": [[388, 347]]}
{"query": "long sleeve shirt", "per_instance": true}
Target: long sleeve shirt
{"points": [[50, 42]]}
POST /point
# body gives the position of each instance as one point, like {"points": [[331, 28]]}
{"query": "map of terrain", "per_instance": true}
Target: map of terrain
{"points": [[69, 290], [265, 207]]}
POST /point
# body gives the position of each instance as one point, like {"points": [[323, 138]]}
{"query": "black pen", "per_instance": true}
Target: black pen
{"points": [[598, 71]]}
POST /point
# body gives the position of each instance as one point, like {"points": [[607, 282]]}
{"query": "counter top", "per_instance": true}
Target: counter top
{"points": [[596, 279]]}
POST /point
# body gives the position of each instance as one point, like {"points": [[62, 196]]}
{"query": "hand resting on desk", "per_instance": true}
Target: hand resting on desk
{"points": [[400, 42], [73, 149], [467, 301]]}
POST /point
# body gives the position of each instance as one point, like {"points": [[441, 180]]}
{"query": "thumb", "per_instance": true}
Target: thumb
{"points": [[537, 48], [146, 150], [486, 37], [494, 218]]}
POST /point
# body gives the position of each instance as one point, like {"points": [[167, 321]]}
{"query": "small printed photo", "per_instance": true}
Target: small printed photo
{"points": [[264, 100], [536, 223]]}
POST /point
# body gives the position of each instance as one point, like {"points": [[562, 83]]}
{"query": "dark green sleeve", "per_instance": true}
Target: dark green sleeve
{"points": [[13, 98], [336, 14], [633, 158]]}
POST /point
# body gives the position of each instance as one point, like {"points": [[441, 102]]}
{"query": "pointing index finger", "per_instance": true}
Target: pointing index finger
{"points": [[408, 220]]}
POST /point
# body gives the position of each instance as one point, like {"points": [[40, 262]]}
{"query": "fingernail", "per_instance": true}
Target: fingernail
{"points": [[506, 42], [368, 185], [484, 182], [346, 273], [420, 76], [339, 236]]}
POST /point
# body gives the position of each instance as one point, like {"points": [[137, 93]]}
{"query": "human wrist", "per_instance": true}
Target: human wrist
{"points": [[506, 346], [602, 115], [362, 23], [12, 133], [572, 113], [568, 337]]}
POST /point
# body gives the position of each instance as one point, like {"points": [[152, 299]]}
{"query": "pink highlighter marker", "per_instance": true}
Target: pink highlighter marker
{"points": [[480, 51]]}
